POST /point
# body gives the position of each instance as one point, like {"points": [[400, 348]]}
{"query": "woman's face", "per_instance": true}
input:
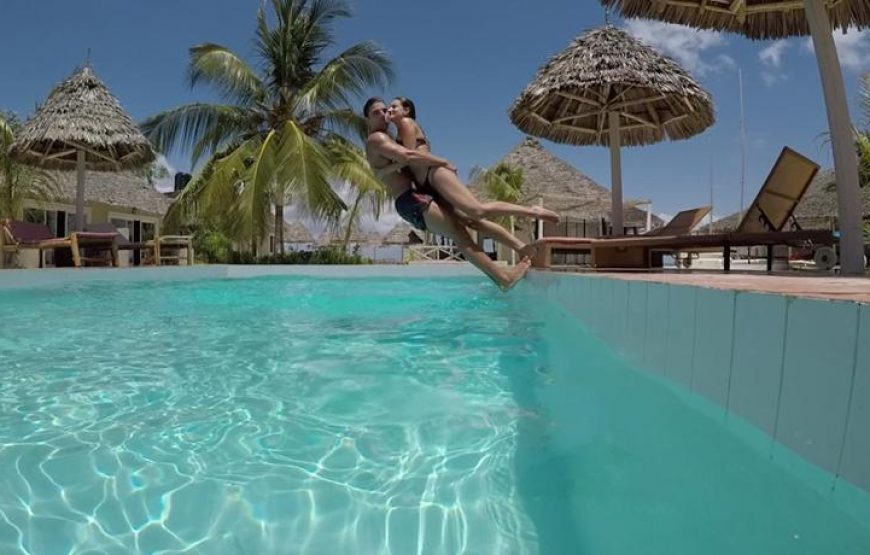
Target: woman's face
{"points": [[396, 111]]}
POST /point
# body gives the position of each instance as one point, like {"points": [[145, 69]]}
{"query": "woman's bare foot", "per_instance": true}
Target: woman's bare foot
{"points": [[515, 274], [546, 215]]}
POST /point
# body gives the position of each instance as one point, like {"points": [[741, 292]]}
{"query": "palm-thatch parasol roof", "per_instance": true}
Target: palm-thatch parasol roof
{"points": [[561, 187], [764, 19], [757, 19], [358, 236], [81, 114], [609, 89], [82, 126], [402, 234], [295, 232], [608, 70]]}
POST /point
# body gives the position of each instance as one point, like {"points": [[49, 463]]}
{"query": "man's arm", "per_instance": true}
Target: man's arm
{"points": [[391, 150]]}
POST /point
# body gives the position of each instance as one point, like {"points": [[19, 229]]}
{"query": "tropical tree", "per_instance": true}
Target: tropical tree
{"points": [[19, 181], [505, 183], [283, 130]]}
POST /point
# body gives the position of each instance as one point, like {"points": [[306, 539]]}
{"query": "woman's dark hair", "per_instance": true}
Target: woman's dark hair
{"points": [[408, 104], [369, 103]]}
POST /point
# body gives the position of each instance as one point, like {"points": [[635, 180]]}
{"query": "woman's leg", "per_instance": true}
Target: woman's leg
{"points": [[444, 223], [449, 186]]}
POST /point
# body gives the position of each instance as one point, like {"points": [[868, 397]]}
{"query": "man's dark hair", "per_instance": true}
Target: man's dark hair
{"points": [[371, 102]]}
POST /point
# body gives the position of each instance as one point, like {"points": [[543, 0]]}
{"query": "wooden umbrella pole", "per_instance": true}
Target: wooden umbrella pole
{"points": [[616, 176], [842, 139], [80, 190]]}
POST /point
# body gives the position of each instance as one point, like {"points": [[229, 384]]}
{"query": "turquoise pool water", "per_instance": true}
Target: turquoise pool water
{"points": [[366, 416]]}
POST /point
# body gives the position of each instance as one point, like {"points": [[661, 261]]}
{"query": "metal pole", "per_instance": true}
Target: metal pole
{"points": [[842, 140], [711, 195], [742, 144], [615, 176]]}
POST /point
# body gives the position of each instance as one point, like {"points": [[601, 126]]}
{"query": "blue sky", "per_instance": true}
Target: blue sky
{"points": [[463, 63]]}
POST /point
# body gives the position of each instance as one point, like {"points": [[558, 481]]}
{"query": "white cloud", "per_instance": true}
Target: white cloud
{"points": [[853, 48], [367, 222], [690, 47], [165, 184], [771, 56]]}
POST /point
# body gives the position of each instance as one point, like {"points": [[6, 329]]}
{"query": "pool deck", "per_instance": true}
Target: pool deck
{"points": [[856, 289]]}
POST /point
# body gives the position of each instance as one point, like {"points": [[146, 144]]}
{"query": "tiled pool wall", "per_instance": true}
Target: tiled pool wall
{"points": [[797, 370]]}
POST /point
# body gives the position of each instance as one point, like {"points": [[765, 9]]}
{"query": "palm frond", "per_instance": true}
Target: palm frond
{"points": [[350, 165], [260, 193], [341, 122], [348, 75], [227, 72], [7, 136], [195, 124], [304, 174]]}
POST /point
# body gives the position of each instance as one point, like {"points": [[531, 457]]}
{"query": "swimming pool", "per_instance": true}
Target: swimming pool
{"points": [[376, 415]]}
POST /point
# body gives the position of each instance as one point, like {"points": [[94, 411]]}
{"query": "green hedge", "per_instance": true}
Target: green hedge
{"points": [[320, 255]]}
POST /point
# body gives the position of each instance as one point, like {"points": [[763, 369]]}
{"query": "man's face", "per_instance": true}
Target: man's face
{"points": [[378, 116]]}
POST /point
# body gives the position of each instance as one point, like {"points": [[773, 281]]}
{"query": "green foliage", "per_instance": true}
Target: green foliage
{"points": [[321, 255], [502, 182], [19, 181], [283, 133], [212, 245]]}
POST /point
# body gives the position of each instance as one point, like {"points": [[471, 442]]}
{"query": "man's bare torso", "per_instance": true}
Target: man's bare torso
{"points": [[396, 182]]}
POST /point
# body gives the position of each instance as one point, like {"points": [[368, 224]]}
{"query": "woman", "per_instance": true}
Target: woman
{"points": [[447, 186], [403, 114], [422, 210]]}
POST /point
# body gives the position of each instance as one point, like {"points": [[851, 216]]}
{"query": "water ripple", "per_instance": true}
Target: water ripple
{"points": [[261, 416]]}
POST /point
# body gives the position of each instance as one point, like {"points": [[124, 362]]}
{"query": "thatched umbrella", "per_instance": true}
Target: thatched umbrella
{"points": [[608, 89], [402, 234], [769, 19], [82, 126], [295, 232]]}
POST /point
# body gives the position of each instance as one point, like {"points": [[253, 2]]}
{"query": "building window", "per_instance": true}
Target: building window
{"points": [[58, 221]]}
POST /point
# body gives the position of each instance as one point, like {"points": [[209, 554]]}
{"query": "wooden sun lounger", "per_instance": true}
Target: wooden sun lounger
{"points": [[167, 248], [648, 252], [681, 224], [18, 235], [762, 225]]}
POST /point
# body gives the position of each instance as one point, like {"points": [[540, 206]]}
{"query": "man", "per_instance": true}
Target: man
{"points": [[419, 208]]}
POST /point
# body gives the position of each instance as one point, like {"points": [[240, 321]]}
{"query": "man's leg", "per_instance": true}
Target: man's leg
{"points": [[444, 223], [498, 233]]}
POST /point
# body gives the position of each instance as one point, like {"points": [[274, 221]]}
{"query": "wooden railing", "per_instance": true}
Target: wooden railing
{"points": [[432, 253]]}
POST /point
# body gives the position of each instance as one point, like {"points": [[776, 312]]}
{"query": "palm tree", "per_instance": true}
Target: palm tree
{"points": [[18, 181], [505, 183], [283, 132], [862, 138]]}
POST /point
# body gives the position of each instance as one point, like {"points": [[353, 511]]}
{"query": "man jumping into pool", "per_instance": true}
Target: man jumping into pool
{"points": [[419, 207]]}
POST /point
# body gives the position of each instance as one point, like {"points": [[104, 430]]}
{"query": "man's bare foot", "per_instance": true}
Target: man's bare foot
{"points": [[547, 215], [516, 273]]}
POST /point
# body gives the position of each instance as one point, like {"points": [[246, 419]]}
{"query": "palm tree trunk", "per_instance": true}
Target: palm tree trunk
{"points": [[279, 227], [351, 220]]}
